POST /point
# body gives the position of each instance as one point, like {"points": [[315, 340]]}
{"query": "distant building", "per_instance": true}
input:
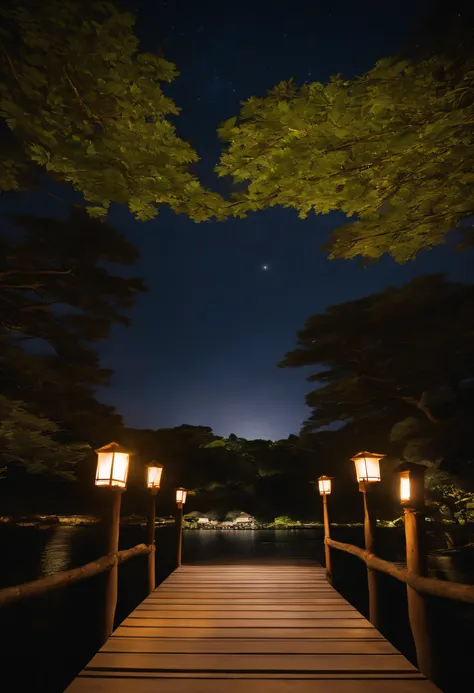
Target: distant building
{"points": [[196, 516], [213, 515], [237, 517], [244, 517]]}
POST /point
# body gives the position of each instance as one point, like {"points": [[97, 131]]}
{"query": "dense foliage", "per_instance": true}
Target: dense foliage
{"points": [[86, 106], [262, 477], [59, 295], [396, 365], [392, 149], [30, 441]]}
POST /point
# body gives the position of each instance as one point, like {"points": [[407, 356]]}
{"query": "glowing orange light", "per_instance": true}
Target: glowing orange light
{"points": [[367, 466], [324, 485], [405, 486], [154, 470], [112, 466], [181, 494]]}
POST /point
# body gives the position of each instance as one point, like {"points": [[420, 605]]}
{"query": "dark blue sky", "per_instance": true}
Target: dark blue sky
{"points": [[206, 338]]}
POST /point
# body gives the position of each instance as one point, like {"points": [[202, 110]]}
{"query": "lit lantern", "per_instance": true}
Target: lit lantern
{"points": [[154, 470], [324, 484], [367, 466], [412, 484], [112, 466], [181, 494], [405, 486]]}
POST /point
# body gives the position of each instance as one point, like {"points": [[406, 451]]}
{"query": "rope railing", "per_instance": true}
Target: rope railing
{"points": [[424, 585], [9, 595]]}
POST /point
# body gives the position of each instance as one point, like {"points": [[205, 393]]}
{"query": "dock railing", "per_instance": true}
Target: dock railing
{"points": [[419, 588]]}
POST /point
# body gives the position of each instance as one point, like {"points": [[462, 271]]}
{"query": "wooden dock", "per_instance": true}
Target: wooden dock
{"points": [[247, 628]]}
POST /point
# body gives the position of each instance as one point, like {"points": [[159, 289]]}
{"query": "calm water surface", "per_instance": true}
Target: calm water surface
{"points": [[49, 639]]}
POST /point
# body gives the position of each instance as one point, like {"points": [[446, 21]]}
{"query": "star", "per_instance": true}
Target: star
{"points": [[264, 268]]}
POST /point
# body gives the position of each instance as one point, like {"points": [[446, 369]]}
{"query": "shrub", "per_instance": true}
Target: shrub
{"points": [[285, 521]]}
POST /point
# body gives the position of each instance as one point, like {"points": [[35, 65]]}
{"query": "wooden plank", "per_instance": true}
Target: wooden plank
{"points": [[272, 597], [200, 574], [253, 629], [291, 585], [301, 596], [242, 600], [249, 575], [242, 589], [242, 676], [205, 685], [253, 662], [307, 623], [246, 645], [189, 632], [173, 608], [239, 568], [245, 598], [303, 614]]}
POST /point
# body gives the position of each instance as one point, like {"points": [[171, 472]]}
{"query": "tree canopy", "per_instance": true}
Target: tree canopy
{"points": [[400, 362], [58, 295], [392, 149], [86, 106], [263, 477], [30, 441]]}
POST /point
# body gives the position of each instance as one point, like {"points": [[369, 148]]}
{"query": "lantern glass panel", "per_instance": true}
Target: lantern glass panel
{"points": [[368, 468], [181, 494], [104, 468], [120, 469], [324, 486], [112, 469], [154, 476], [405, 487]]}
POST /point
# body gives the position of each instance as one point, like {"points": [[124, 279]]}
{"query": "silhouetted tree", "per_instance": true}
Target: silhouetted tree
{"points": [[397, 362], [59, 295]]}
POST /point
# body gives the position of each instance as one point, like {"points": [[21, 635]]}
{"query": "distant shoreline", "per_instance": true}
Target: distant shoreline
{"points": [[51, 521]]}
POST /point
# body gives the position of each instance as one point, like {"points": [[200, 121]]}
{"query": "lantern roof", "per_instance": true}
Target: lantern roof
{"points": [[325, 478], [362, 455], [114, 447], [154, 463], [409, 467]]}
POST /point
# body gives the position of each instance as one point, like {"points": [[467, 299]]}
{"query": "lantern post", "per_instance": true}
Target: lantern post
{"points": [[412, 499], [367, 466], [112, 472], [154, 470], [325, 488], [181, 494]]}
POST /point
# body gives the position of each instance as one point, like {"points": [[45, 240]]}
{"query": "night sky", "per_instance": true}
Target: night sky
{"points": [[206, 338]]}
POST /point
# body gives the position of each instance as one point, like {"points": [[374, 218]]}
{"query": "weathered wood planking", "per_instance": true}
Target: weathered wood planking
{"points": [[262, 628]]}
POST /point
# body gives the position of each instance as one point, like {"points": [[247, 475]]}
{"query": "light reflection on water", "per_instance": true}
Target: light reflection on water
{"points": [[66, 549], [57, 553], [248, 543]]}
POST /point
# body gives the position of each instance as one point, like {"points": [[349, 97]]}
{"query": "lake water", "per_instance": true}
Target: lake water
{"points": [[47, 640]]}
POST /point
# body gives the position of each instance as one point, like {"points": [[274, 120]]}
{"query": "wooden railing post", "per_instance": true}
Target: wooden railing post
{"points": [[327, 550], [369, 536], [151, 540], [111, 588], [417, 604], [179, 529]]}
